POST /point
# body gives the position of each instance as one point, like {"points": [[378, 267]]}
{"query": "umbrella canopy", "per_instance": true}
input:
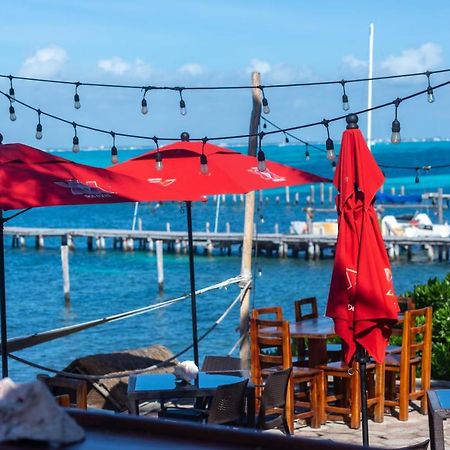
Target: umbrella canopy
{"points": [[361, 300], [200, 167], [30, 177], [229, 172]]}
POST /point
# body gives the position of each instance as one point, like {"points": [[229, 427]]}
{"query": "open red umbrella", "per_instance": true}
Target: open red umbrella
{"points": [[361, 300], [200, 167], [30, 177]]}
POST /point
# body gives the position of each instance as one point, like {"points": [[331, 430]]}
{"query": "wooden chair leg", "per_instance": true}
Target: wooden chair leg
{"points": [[355, 415], [404, 394], [290, 405], [378, 413]]}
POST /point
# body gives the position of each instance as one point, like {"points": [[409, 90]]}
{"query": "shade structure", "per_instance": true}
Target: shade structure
{"points": [[227, 172], [30, 177], [361, 299]]}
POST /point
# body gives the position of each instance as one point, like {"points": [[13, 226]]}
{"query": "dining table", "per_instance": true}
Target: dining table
{"points": [[164, 387]]}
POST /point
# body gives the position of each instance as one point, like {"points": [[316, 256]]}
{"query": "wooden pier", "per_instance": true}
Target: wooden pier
{"points": [[310, 246]]}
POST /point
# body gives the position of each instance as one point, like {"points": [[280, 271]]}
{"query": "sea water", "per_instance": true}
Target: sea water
{"points": [[109, 281]]}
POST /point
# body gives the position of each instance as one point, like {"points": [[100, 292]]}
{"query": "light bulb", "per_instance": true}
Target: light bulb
{"points": [[1, 138], [395, 136], [182, 107], [76, 101], [330, 150], [76, 144], [345, 104], [114, 155], [261, 161], [158, 162], [307, 156], [12, 95], [333, 166], [144, 108], [12, 114], [286, 140], [265, 104], [416, 180], [430, 95], [38, 131], [203, 164]]}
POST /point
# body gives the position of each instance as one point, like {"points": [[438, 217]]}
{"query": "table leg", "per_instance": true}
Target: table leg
{"points": [[317, 352]]}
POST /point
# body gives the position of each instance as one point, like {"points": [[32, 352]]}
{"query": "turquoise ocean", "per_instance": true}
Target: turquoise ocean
{"points": [[111, 281]]}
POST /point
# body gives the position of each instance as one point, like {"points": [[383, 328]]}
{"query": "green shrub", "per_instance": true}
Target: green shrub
{"points": [[436, 293]]}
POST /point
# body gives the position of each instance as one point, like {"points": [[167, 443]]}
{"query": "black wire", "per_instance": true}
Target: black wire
{"points": [[197, 88], [237, 136], [429, 167]]}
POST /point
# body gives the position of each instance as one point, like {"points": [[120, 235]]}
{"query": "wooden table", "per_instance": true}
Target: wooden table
{"points": [[162, 387]]}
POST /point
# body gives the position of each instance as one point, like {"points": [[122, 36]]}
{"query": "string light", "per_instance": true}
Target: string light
{"points": [[114, 152], [430, 93], [203, 159], [395, 136], [333, 166], [76, 97], [329, 144], [12, 112], [286, 139], [39, 126], [182, 102], [345, 104], [75, 140], [417, 180], [265, 103], [1, 138], [144, 107], [265, 125], [261, 156], [184, 136], [12, 94], [307, 155], [158, 156]]}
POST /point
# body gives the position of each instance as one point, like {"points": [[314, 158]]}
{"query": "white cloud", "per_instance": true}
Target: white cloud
{"points": [[46, 62], [258, 65], [426, 57], [192, 69], [118, 66], [354, 63]]}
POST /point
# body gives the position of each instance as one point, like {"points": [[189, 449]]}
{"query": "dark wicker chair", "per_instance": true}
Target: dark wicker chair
{"points": [[227, 407], [272, 412], [226, 365], [420, 446]]}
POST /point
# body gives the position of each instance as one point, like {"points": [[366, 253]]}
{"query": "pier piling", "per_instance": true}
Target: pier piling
{"points": [[65, 268]]}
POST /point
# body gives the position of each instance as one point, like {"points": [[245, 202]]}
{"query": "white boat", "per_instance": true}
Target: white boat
{"points": [[419, 225]]}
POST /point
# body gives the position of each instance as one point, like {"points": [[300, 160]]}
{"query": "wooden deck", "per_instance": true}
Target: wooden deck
{"points": [[269, 244]]}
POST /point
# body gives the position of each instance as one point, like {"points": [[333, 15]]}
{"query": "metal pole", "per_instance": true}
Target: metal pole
{"points": [[4, 334], [369, 86], [362, 359], [192, 278]]}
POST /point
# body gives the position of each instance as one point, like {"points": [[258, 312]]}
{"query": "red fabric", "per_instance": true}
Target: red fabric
{"points": [[361, 300], [230, 172], [30, 177]]}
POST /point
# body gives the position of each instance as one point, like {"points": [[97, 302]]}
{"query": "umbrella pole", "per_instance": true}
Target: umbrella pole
{"points": [[362, 359], [4, 337], [192, 278]]}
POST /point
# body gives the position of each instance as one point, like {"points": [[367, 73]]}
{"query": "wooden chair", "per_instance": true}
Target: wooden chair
{"points": [[270, 352], [415, 357], [306, 308], [69, 392], [344, 400], [405, 304], [272, 412], [275, 312]]}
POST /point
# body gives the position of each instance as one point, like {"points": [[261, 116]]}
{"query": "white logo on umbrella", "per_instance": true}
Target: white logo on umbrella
{"points": [[162, 182], [90, 189], [351, 277], [267, 175]]}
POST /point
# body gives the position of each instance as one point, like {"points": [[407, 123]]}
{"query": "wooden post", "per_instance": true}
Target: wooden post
{"points": [[65, 269], [288, 195], [330, 194], [246, 266], [313, 193], [296, 198], [139, 224], [322, 193], [440, 206], [40, 241], [160, 264]]}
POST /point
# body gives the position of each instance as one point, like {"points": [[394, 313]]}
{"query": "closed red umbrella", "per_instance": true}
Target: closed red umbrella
{"points": [[361, 300], [200, 167]]}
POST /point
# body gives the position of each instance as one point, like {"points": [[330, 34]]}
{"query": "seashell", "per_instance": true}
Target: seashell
{"points": [[29, 411]]}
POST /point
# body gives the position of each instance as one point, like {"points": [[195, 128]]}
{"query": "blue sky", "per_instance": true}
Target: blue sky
{"points": [[204, 43]]}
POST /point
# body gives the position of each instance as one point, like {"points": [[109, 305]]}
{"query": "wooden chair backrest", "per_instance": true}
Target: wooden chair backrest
{"points": [[416, 338], [300, 306], [269, 349], [275, 311], [74, 389], [406, 303]]}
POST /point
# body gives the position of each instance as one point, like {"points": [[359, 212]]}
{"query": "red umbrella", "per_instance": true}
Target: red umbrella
{"points": [[361, 300], [209, 169], [37, 178], [30, 177]]}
